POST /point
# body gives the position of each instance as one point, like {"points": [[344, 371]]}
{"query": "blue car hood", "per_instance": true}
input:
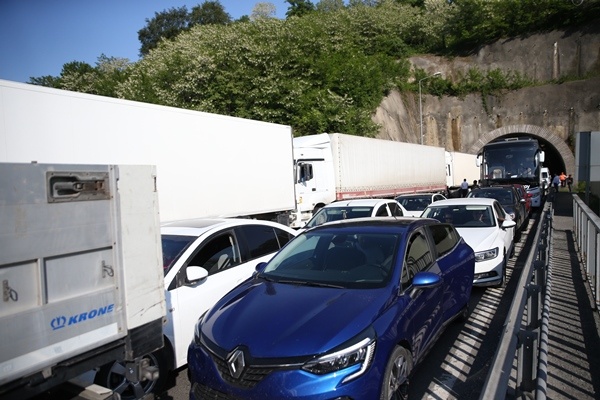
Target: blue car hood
{"points": [[284, 320]]}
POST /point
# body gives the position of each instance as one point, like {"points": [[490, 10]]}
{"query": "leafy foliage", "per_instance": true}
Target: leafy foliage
{"points": [[323, 69], [170, 23]]}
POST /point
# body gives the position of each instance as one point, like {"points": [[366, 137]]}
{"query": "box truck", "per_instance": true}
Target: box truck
{"points": [[207, 165], [81, 273], [335, 166]]}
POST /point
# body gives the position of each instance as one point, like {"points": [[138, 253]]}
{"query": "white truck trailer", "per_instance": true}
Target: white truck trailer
{"points": [[208, 165], [460, 166], [331, 167], [81, 272]]}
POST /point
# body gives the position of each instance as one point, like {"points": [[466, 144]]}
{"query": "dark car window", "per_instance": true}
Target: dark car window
{"points": [[500, 211], [262, 240], [382, 211], [445, 238], [219, 253], [396, 210], [172, 247], [418, 258]]}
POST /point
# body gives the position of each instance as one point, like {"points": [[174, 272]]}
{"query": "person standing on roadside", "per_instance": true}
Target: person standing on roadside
{"points": [[569, 182], [464, 188], [562, 178], [556, 182]]}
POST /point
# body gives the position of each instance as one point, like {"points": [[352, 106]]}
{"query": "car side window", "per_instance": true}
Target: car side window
{"points": [[499, 211], [261, 240], [445, 238], [219, 253], [418, 258], [382, 211], [396, 210]]}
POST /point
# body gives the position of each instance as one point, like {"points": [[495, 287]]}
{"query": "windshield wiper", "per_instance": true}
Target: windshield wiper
{"points": [[303, 283]]}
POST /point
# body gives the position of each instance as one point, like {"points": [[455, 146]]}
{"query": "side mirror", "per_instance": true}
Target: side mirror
{"points": [[426, 280], [508, 223], [195, 274], [260, 267]]}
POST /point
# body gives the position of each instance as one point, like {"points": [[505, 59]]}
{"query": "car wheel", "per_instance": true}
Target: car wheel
{"points": [[113, 376], [502, 282], [463, 315], [395, 378]]}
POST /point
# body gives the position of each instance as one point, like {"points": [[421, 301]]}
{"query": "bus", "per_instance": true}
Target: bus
{"points": [[511, 160]]}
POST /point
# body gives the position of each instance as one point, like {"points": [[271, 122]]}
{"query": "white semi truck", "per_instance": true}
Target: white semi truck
{"points": [[208, 165], [331, 167], [81, 272]]}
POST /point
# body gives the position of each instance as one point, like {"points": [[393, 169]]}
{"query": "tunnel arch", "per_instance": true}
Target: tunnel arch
{"points": [[559, 157]]}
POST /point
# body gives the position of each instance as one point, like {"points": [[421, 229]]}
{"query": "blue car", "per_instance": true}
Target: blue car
{"points": [[344, 311]]}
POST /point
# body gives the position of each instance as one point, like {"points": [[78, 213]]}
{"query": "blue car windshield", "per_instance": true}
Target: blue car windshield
{"points": [[334, 259]]}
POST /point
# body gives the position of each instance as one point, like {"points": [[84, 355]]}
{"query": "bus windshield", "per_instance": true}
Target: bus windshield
{"points": [[513, 160]]}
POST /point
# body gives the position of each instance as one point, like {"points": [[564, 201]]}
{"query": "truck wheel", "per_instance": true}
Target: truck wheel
{"points": [[113, 376]]}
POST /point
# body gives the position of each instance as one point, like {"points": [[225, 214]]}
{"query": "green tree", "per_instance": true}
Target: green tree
{"points": [[165, 25], [46, 80], [299, 8], [329, 5], [209, 12]]}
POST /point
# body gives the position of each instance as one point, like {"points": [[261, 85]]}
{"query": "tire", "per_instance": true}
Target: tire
{"points": [[464, 313], [112, 376], [397, 372], [502, 282]]}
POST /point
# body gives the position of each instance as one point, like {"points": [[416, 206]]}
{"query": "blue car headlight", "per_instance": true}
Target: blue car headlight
{"points": [[486, 255], [360, 353]]}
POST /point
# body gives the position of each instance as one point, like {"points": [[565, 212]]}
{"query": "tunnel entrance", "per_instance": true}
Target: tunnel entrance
{"points": [[558, 156]]}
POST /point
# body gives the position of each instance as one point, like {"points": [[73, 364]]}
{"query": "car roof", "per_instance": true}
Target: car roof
{"points": [[417, 194], [464, 200], [374, 222], [197, 226], [496, 187], [359, 202]]}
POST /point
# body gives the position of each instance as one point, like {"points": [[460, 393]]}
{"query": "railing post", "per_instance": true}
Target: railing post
{"points": [[527, 363], [541, 268]]}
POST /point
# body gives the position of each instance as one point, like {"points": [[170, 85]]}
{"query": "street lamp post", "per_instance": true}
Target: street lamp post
{"points": [[421, 103]]}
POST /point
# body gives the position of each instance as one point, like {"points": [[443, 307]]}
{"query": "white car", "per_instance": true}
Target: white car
{"points": [[358, 208], [486, 227], [203, 259], [535, 193], [545, 180], [415, 203]]}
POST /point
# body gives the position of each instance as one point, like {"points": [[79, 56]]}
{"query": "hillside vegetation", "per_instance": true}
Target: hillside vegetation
{"points": [[323, 71]]}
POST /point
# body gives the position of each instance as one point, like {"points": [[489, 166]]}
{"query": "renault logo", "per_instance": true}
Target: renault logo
{"points": [[236, 363]]}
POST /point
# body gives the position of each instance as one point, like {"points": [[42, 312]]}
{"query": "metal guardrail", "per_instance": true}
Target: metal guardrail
{"points": [[586, 227], [525, 332]]}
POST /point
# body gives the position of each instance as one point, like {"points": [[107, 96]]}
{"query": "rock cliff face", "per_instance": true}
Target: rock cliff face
{"points": [[560, 110]]}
